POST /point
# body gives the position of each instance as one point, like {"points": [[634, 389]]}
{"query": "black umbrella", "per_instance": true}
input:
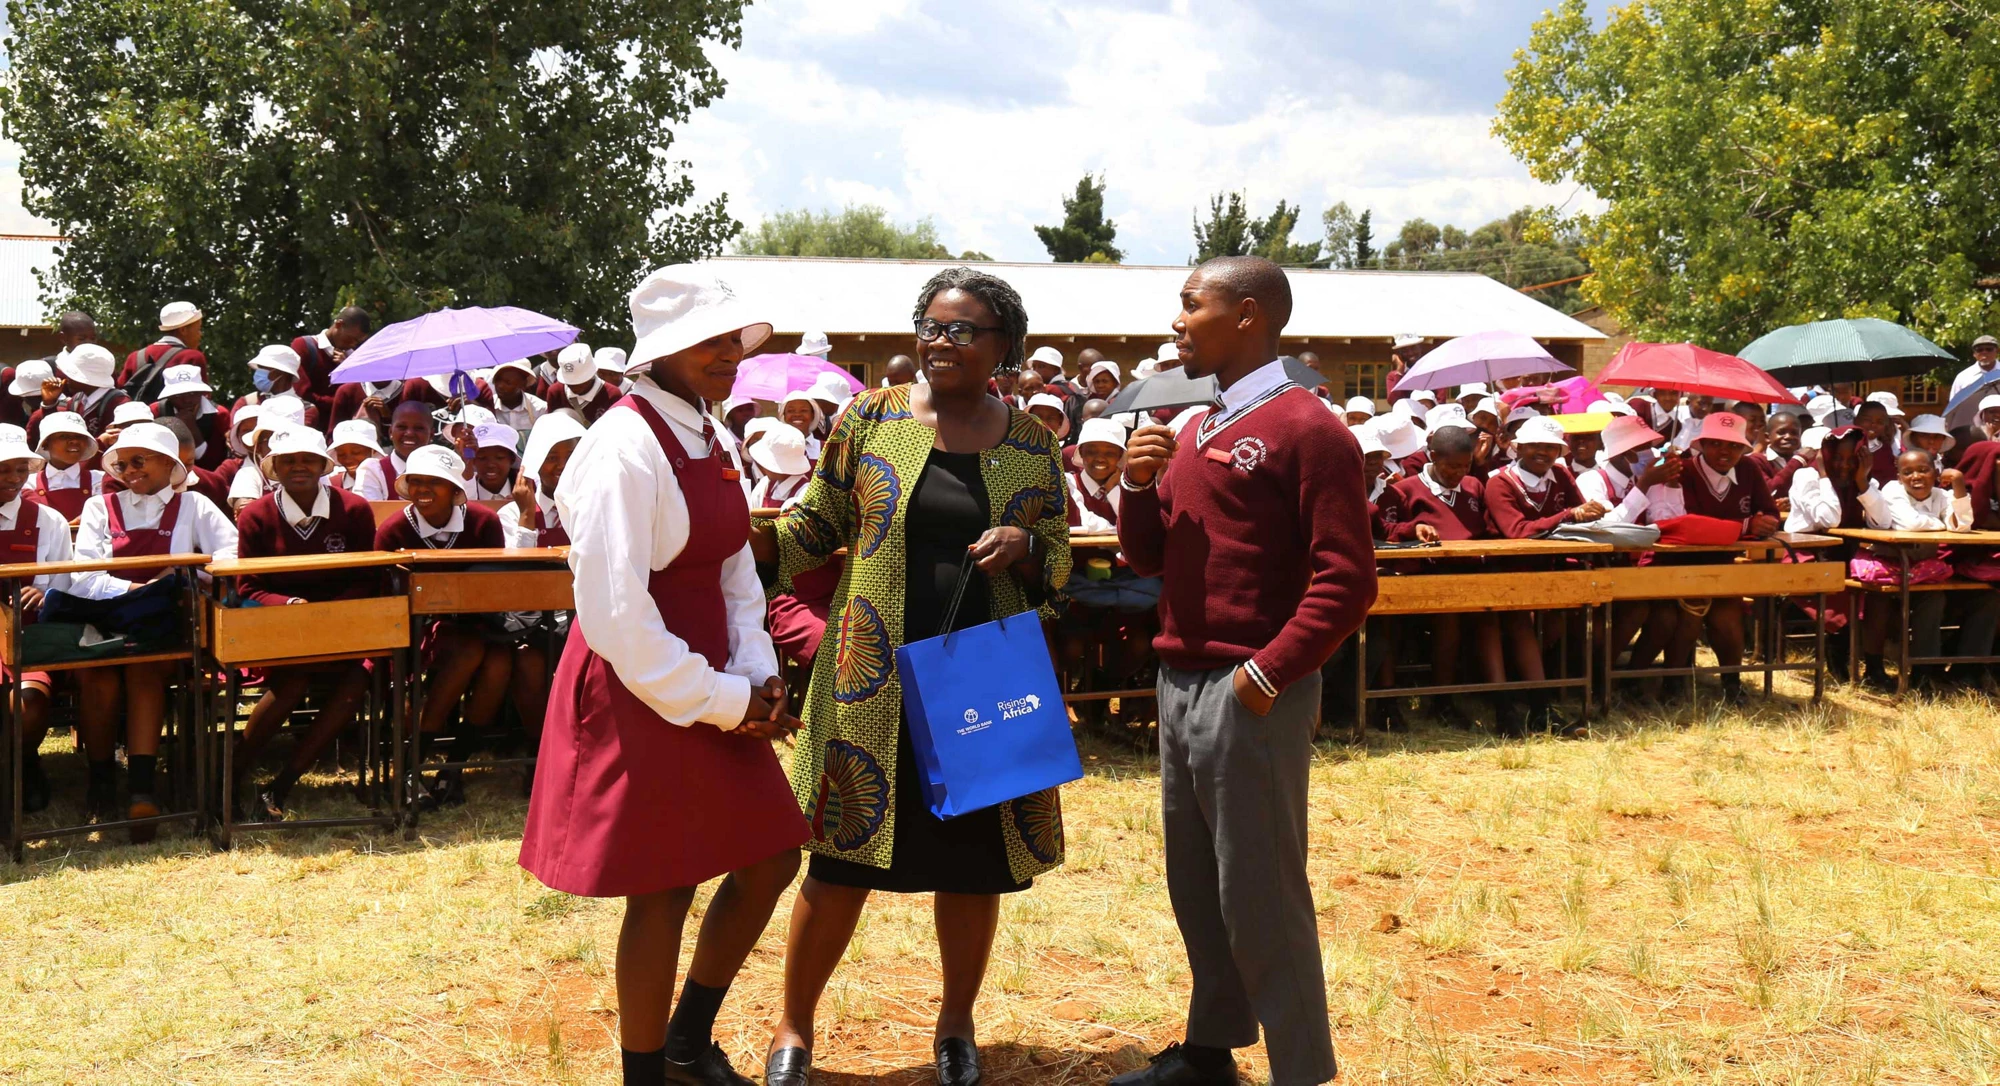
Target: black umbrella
{"points": [[1175, 389]]}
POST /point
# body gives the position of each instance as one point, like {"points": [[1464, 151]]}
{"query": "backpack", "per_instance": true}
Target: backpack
{"points": [[147, 382]]}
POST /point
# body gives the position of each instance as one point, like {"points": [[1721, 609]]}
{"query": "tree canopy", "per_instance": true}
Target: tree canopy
{"points": [[1528, 248], [863, 231], [1085, 234], [273, 162], [1231, 230], [1768, 163]]}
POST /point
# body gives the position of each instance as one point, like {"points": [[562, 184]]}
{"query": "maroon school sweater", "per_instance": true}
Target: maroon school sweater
{"points": [[1981, 464], [482, 529], [261, 532], [1261, 535], [1464, 518], [1745, 498], [1513, 513]]}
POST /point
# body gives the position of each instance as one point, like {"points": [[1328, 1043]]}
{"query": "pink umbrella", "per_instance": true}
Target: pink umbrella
{"points": [[771, 376]]}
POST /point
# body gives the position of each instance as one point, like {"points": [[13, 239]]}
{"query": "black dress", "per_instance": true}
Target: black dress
{"points": [[947, 513]]}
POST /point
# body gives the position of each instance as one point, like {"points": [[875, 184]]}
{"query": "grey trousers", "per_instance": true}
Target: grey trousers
{"points": [[1233, 796]]}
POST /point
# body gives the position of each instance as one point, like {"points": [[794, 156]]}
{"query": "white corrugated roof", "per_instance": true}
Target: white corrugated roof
{"points": [[874, 296], [20, 294]]}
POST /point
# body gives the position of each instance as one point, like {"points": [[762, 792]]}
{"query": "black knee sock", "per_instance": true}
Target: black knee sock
{"points": [[139, 773], [644, 1068], [690, 1030], [281, 785], [1207, 1060]]}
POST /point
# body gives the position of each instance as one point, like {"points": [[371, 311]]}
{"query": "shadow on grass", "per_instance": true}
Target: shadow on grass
{"points": [[1011, 1063]]}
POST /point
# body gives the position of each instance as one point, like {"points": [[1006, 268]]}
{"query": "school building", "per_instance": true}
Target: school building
{"points": [[1348, 318], [26, 331]]}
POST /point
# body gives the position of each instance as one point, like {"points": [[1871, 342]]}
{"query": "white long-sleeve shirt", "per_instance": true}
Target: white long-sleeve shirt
{"points": [[627, 517], [1890, 508], [1815, 504], [52, 543], [1967, 377], [520, 531], [371, 483], [200, 528], [521, 418], [1626, 504]]}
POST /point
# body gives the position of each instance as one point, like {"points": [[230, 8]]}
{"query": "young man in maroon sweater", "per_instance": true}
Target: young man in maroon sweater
{"points": [[1260, 531]]}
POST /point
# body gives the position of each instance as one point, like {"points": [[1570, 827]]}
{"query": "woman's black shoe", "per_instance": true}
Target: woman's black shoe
{"points": [[448, 790], [711, 1068], [957, 1062], [1173, 1068], [788, 1067]]}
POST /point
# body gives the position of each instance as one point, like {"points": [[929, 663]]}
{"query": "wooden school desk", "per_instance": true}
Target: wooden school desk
{"points": [[1470, 593], [374, 627], [537, 579], [187, 740], [1757, 573], [1899, 545]]}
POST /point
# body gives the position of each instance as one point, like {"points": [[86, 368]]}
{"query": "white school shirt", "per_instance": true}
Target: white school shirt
{"points": [[52, 542], [1890, 508], [1966, 378], [476, 491], [200, 528], [521, 418], [371, 483], [249, 483], [1089, 523], [627, 517], [521, 534], [68, 478], [772, 493], [1815, 503], [1604, 483], [437, 538]]}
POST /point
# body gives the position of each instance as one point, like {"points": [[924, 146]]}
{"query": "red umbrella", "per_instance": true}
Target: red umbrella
{"points": [[1698, 370]]}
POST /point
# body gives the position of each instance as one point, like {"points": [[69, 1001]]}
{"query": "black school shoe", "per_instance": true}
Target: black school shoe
{"points": [[711, 1068], [1172, 1068], [957, 1062], [788, 1067]]}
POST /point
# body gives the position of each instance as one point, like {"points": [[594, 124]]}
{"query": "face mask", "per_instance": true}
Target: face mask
{"points": [[262, 379]]}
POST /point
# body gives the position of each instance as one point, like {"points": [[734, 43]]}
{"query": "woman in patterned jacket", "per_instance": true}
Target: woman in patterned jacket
{"points": [[914, 478]]}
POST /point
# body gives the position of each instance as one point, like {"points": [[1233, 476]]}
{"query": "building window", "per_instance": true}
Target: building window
{"points": [[1921, 389], [1365, 379]]}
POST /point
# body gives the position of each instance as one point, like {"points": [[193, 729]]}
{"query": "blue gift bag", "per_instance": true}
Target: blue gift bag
{"points": [[986, 715]]}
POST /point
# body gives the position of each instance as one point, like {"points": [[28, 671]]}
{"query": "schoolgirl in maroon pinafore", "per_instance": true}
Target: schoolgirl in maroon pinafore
{"points": [[39, 535], [68, 500]]}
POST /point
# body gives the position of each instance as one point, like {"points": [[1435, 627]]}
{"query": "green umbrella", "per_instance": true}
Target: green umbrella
{"points": [[1860, 349]]}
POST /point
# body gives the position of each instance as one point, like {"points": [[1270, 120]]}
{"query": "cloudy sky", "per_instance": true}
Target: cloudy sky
{"points": [[983, 115]]}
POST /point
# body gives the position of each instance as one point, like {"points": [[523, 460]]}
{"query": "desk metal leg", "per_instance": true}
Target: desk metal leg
{"points": [[16, 691], [1854, 604], [1903, 651], [232, 697], [1819, 647]]}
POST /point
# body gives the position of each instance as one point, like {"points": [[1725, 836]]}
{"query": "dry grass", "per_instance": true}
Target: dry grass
{"points": [[1794, 897]]}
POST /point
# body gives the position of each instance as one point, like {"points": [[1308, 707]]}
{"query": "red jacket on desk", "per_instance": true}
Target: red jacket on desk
{"points": [[1259, 528]]}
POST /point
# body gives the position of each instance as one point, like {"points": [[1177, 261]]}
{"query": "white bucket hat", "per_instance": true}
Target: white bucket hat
{"points": [[14, 446], [1521, 414], [549, 431], [1169, 351], [1049, 356], [153, 438], [1105, 366], [1821, 407], [812, 343], [87, 364], [242, 415], [575, 365], [1489, 406], [1398, 434], [1424, 396], [782, 452], [833, 388], [28, 378], [1371, 442], [355, 432], [1449, 414], [182, 379], [1101, 429], [1887, 400], [277, 356], [298, 439], [1933, 424], [609, 358], [276, 413], [1147, 367], [1814, 438], [1410, 408], [1987, 402], [178, 315], [678, 306], [519, 365], [1541, 431], [803, 396], [1359, 405], [129, 412], [69, 422], [1625, 433], [1477, 390], [497, 435], [432, 462], [1043, 399], [759, 425]]}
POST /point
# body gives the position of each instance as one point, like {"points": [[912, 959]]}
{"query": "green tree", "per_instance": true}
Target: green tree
{"points": [[863, 231], [1364, 240], [1342, 226], [1271, 238], [1768, 163], [1085, 232], [271, 162], [1227, 231]]}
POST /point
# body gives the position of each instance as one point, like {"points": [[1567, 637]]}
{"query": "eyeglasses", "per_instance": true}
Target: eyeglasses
{"points": [[959, 332]]}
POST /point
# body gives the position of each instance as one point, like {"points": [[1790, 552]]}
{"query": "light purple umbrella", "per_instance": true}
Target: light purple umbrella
{"points": [[771, 376], [454, 341], [1483, 357]]}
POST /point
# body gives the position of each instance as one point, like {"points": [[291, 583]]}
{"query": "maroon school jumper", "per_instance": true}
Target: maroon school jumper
{"points": [[546, 536], [21, 545], [388, 465], [349, 398], [315, 384], [141, 542], [1745, 498], [1882, 468], [399, 533], [626, 802], [263, 532], [1096, 503], [68, 501], [1464, 517]]}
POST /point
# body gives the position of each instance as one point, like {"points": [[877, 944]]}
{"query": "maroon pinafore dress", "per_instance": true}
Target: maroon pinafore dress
{"points": [[68, 501], [22, 544], [141, 542], [546, 536], [625, 801]]}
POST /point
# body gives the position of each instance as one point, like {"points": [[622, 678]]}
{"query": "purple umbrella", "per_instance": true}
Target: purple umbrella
{"points": [[454, 341], [771, 376], [1483, 357]]}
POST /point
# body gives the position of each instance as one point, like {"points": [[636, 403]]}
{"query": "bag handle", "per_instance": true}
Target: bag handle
{"points": [[965, 568]]}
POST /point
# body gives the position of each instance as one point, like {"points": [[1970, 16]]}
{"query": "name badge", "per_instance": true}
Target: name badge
{"points": [[730, 475], [1219, 456]]}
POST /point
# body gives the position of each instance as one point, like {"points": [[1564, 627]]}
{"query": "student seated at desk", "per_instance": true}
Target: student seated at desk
{"points": [[1117, 607], [1786, 453], [535, 520], [495, 454], [1920, 501], [200, 480], [410, 428], [1714, 483], [273, 414], [149, 517], [459, 657], [303, 516], [241, 423], [1872, 416], [30, 532], [63, 483], [1443, 500], [353, 444]]}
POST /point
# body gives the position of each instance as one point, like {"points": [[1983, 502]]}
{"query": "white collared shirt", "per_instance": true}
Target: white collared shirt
{"points": [[299, 518], [438, 537], [476, 491], [1967, 377], [627, 517], [1815, 503], [521, 418], [200, 528], [1613, 488], [1245, 395], [521, 533], [371, 483], [1530, 482], [1890, 508], [1718, 482], [52, 542], [68, 478], [249, 483], [1449, 497], [1082, 485]]}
